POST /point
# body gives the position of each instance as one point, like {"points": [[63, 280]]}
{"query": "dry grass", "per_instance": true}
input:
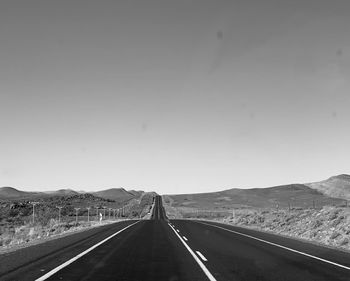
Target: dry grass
{"points": [[329, 225], [25, 234]]}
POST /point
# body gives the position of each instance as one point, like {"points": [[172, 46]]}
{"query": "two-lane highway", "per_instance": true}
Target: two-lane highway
{"points": [[158, 210], [159, 249], [233, 253], [146, 250]]}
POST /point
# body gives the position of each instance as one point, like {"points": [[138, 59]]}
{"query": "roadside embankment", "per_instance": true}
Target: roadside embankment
{"points": [[328, 226]]}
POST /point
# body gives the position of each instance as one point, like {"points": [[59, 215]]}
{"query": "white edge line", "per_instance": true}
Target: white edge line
{"points": [[201, 255], [202, 266], [63, 265], [184, 238], [280, 246]]}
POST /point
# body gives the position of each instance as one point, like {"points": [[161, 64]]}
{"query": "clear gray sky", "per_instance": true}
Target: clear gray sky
{"points": [[173, 96]]}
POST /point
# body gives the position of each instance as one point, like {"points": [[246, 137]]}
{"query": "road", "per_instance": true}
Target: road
{"points": [[158, 212], [159, 249]]}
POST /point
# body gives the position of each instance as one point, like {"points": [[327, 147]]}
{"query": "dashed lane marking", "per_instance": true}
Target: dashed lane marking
{"points": [[201, 255], [184, 238], [200, 263]]}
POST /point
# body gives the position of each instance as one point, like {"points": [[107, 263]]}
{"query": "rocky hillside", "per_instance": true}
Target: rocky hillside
{"points": [[337, 186]]}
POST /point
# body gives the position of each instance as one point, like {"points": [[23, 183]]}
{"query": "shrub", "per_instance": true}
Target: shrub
{"points": [[333, 214], [334, 235], [344, 241], [317, 223]]}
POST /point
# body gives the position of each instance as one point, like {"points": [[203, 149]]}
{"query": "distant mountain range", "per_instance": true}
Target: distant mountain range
{"points": [[115, 194], [329, 192]]}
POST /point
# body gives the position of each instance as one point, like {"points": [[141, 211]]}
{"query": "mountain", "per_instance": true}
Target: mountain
{"points": [[337, 186], [136, 193], [117, 194], [62, 192], [13, 193], [297, 195]]}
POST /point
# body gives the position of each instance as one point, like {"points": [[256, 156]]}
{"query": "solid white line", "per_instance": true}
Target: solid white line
{"points": [[202, 266], [201, 255], [184, 238], [280, 246], [63, 265]]}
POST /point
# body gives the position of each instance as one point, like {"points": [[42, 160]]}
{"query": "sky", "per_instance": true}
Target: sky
{"points": [[177, 96]]}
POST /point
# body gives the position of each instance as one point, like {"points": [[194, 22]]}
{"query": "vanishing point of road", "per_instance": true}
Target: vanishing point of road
{"points": [[170, 250]]}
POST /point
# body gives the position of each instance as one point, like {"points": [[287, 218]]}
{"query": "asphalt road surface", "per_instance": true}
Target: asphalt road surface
{"points": [[159, 249]]}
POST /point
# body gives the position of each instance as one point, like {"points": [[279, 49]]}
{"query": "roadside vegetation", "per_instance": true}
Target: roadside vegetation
{"points": [[63, 214], [328, 225]]}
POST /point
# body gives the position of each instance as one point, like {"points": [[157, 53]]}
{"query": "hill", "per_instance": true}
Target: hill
{"points": [[337, 186], [116, 194], [62, 192], [294, 195], [13, 193], [136, 193]]}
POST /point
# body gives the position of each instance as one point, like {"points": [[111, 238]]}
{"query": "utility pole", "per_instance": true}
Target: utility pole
{"points": [[76, 215], [97, 213], [88, 208], [34, 203], [104, 213], [59, 213]]}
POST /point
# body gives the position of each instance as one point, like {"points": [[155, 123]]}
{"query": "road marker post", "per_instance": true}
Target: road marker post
{"points": [[88, 209], [76, 215], [59, 213], [34, 203]]}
